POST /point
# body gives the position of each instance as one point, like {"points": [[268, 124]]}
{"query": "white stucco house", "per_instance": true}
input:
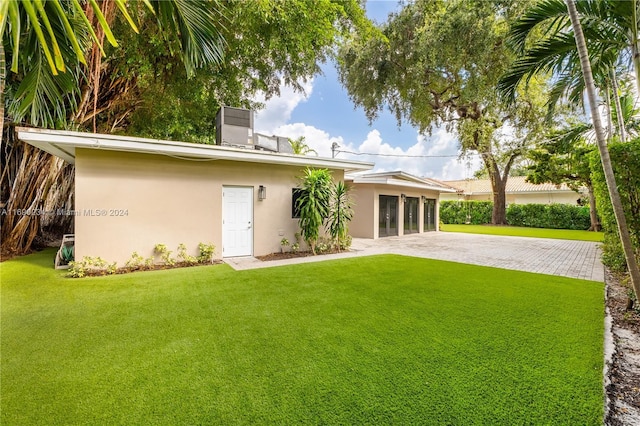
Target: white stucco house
{"points": [[394, 204], [133, 193]]}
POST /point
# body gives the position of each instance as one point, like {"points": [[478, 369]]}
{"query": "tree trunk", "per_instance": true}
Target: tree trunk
{"points": [[3, 76], [616, 101], [40, 192], [593, 213], [609, 113], [498, 186], [499, 214], [625, 237], [635, 42]]}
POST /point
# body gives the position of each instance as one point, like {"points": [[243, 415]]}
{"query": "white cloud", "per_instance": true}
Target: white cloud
{"points": [[278, 109], [274, 119], [460, 168], [392, 158], [315, 138]]}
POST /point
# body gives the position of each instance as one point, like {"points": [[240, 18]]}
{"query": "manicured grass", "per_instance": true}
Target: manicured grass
{"points": [[517, 231], [375, 340]]}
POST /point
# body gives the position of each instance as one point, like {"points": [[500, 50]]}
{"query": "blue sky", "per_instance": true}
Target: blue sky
{"points": [[324, 114]]}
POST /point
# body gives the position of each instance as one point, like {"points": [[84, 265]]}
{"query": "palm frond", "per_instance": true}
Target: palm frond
{"points": [[198, 24], [42, 98], [551, 12], [549, 55]]}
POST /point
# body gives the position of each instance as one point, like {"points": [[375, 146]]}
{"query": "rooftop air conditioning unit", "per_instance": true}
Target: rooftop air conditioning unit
{"points": [[265, 143], [234, 126], [284, 145]]}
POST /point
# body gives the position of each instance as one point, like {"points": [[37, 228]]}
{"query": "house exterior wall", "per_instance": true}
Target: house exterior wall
{"points": [[549, 197], [367, 208], [365, 212], [152, 199], [563, 197]]}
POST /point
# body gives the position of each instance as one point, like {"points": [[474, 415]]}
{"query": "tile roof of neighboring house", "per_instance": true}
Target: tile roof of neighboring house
{"points": [[516, 184]]}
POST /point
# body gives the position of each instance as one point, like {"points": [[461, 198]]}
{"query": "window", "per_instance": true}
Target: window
{"points": [[296, 193]]}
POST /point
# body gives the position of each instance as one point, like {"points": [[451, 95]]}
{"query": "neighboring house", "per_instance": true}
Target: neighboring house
{"points": [[518, 191], [394, 203], [134, 193]]}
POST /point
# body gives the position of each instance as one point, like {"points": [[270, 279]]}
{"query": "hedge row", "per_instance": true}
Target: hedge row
{"points": [[554, 216], [557, 216], [625, 158], [461, 212]]}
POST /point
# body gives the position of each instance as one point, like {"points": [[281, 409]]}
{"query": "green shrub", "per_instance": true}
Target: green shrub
{"points": [[315, 196], [552, 216], [165, 254], [185, 258], [625, 158], [612, 253], [206, 252], [137, 262], [91, 266], [340, 213], [461, 212]]}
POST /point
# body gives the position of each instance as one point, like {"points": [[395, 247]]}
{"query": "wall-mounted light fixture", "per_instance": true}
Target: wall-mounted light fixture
{"points": [[403, 197], [424, 199], [262, 192]]}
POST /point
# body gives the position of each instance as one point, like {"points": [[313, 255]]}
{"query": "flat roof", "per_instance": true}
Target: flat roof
{"points": [[63, 144], [400, 179]]}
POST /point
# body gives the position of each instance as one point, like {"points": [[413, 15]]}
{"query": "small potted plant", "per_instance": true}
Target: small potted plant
{"points": [[283, 243]]}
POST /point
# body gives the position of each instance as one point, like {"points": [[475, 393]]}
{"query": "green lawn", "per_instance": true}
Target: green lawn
{"points": [[377, 340], [517, 231]]}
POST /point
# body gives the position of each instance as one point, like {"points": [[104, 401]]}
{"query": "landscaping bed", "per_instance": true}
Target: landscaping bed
{"points": [[294, 255], [623, 389]]}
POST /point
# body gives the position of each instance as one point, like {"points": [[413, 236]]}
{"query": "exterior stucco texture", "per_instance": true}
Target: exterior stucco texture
{"points": [[128, 202]]}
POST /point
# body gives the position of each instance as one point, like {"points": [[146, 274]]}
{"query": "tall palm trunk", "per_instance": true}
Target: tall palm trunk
{"points": [[607, 101], [3, 76], [593, 212], [635, 41], [623, 230], [616, 101]]}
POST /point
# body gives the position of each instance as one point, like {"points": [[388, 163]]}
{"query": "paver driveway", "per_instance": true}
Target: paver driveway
{"points": [[575, 259]]}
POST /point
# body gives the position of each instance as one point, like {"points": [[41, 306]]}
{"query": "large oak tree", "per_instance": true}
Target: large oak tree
{"points": [[438, 63]]}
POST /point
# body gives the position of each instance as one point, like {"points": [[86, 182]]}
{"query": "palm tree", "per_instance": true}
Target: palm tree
{"points": [[623, 230], [340, 214], [314, 203], [49, 41], [55, 49], [610, 26], [300, 147]]}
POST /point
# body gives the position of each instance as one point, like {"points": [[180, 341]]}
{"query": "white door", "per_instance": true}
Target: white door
{"points": [[237, 221]]}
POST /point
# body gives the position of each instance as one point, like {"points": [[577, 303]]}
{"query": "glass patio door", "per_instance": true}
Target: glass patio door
{"points": [[430, 215], [411, 215], [388, 216]]}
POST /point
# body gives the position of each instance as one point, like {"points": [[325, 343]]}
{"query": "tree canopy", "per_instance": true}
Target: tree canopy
{"points": [[438, 63], [268, 44]]}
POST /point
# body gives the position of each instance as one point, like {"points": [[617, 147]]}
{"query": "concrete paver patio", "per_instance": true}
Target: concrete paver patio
{"points": [[575, 259]]}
